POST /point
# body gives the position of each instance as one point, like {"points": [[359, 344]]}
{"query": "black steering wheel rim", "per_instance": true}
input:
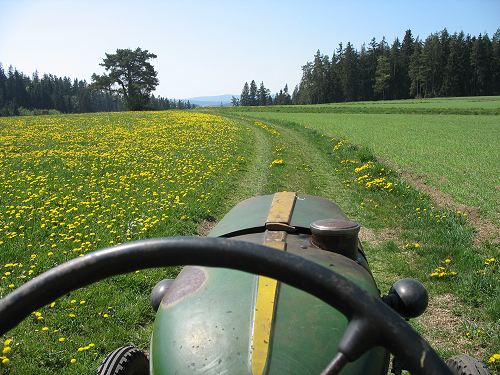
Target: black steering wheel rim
{"points": [[372, 322]]}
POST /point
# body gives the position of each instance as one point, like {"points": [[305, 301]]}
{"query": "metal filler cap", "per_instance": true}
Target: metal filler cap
{"points": [[336, 235]]}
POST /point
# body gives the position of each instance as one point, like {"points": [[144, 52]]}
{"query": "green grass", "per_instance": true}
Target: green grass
{"points": [[485, 105], [74, 184], [457, 154]]}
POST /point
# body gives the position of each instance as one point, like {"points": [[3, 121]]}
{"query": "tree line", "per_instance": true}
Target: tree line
{"points": [[22, 94], [441, 65], [251, 95]]}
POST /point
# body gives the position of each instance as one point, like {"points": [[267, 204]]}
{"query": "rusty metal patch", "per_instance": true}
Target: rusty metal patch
{"points": [[190, 280], [281, 208], [275, 239]]}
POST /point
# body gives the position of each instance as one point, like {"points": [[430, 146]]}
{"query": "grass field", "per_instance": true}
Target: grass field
{"points": [[73, 184], [457, 154], [487, 105]]}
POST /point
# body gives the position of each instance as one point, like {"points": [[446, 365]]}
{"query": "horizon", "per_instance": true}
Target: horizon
{"points": [[206, 49]]}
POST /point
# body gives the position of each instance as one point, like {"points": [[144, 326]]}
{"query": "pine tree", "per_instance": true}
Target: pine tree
{"points": [[416, 71], [444, 40], [397, 77], [253, 93], [336, 91], [3, 79], [286, 96], [262, 95], [406, 53], [365, 74], [130, 74], [481, 65], [495, 63], [245, 95], [432, 69], [295, 95], [373, 53], [319, 79], [382, 75], [455, 68], [306, 85], [235, 102], [349, 73]]}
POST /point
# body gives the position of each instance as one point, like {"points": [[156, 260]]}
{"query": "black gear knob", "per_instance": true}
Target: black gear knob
{"points": [[159, 291], [408, 297]]}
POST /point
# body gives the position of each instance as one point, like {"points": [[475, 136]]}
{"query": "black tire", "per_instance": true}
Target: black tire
{"points": [[466, 365], [127, 360]]}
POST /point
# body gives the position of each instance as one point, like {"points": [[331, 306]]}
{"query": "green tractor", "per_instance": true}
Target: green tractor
{"points": [[280, 286]]}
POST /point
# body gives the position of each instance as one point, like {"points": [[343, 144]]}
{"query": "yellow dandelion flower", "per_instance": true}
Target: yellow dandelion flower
{"points": [[277, 162], [495, 357]]}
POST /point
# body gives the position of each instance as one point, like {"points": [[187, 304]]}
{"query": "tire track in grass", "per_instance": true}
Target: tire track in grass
{"points": [[305, 167], [254, 177]]}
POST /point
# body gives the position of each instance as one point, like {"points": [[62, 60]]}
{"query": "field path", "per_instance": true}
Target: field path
{"points": [[306, 168], [256, 177]]}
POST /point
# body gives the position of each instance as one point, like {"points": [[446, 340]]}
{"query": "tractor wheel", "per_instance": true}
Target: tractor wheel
{"points": [[127, 360], [466, 365]]}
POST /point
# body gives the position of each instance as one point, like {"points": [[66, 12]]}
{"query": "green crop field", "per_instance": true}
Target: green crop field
{"points": [[455, 153], [75, 183], [487, 105]]}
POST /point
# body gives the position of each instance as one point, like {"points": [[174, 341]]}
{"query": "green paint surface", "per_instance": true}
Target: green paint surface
{"points": [[252, 213], [208, 332]]}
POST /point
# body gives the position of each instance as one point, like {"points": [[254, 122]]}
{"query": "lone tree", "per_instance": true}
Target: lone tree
{"points": [[129, 74]]}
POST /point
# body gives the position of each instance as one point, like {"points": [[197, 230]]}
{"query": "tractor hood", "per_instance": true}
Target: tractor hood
{"points": [[251, 214], [220, 321]]}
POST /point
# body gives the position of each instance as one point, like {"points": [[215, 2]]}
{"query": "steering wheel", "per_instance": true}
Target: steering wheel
{"points": [[371, 321]]}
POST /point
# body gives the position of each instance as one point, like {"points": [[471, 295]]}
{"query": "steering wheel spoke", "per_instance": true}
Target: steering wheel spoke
{"points": [[360, 335], [336, 365]]}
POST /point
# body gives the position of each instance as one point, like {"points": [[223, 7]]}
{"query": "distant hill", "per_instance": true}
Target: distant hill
{"points": [[208, 101]]}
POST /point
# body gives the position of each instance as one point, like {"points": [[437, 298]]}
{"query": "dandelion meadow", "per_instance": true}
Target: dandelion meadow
{"points": [[74, 184]]}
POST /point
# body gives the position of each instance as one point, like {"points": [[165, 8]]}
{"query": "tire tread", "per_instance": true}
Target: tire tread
{"points": [[116, 362], [466, 365]]}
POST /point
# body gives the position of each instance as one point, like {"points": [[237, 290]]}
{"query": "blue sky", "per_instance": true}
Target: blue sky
{"points": [[213, 47]]}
